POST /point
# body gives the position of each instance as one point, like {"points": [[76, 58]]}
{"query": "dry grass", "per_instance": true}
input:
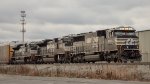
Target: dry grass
{"points": [[75, 71]]}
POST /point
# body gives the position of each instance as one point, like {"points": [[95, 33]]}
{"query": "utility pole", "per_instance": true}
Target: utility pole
{"points": [[23, 15]]}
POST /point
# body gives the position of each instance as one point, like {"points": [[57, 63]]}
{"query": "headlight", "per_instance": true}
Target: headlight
{"points": [[127, 47]]}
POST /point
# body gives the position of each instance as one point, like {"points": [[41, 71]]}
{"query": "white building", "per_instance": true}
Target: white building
{"points": [[144, 44]]}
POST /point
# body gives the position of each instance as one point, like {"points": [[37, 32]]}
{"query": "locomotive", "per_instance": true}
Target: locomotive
{"points": [[118, 44]]}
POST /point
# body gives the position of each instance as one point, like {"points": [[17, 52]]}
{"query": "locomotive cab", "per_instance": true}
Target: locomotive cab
{"points": [[125, 43]]}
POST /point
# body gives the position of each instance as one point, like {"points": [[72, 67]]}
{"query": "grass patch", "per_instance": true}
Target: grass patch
{"points": [[77, 71]]}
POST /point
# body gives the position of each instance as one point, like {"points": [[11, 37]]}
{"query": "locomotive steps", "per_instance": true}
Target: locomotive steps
{"points": [[136, 72]]}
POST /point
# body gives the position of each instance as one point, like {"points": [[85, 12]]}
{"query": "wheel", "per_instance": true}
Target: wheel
{"points": [[115, 60], [13, 61], [132, 61], [119, 60], [26, 60], [93, 62], [81, 59], [108, 60], [40, 60], [125, 61]]}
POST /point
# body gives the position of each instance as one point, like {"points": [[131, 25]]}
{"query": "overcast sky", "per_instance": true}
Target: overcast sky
{"points": [[55, 18]]}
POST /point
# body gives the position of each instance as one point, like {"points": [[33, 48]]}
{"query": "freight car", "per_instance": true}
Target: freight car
{"points": [[118, 44], [6, 53]]}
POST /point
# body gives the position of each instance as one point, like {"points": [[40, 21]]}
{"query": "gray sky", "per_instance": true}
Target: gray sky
{"points": [[55, 18]]}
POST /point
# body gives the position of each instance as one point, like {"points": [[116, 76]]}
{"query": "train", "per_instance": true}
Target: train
{"points": [[119, 44]]}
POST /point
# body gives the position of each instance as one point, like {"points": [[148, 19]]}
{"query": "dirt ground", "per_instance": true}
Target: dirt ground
{"points": [[15, 79]]}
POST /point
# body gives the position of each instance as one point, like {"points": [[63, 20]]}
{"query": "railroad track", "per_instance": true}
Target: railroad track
{"points": [[142, 63]]}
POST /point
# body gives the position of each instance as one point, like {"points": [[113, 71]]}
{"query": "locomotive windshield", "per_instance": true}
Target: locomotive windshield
{"points": [[124, 33]]}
